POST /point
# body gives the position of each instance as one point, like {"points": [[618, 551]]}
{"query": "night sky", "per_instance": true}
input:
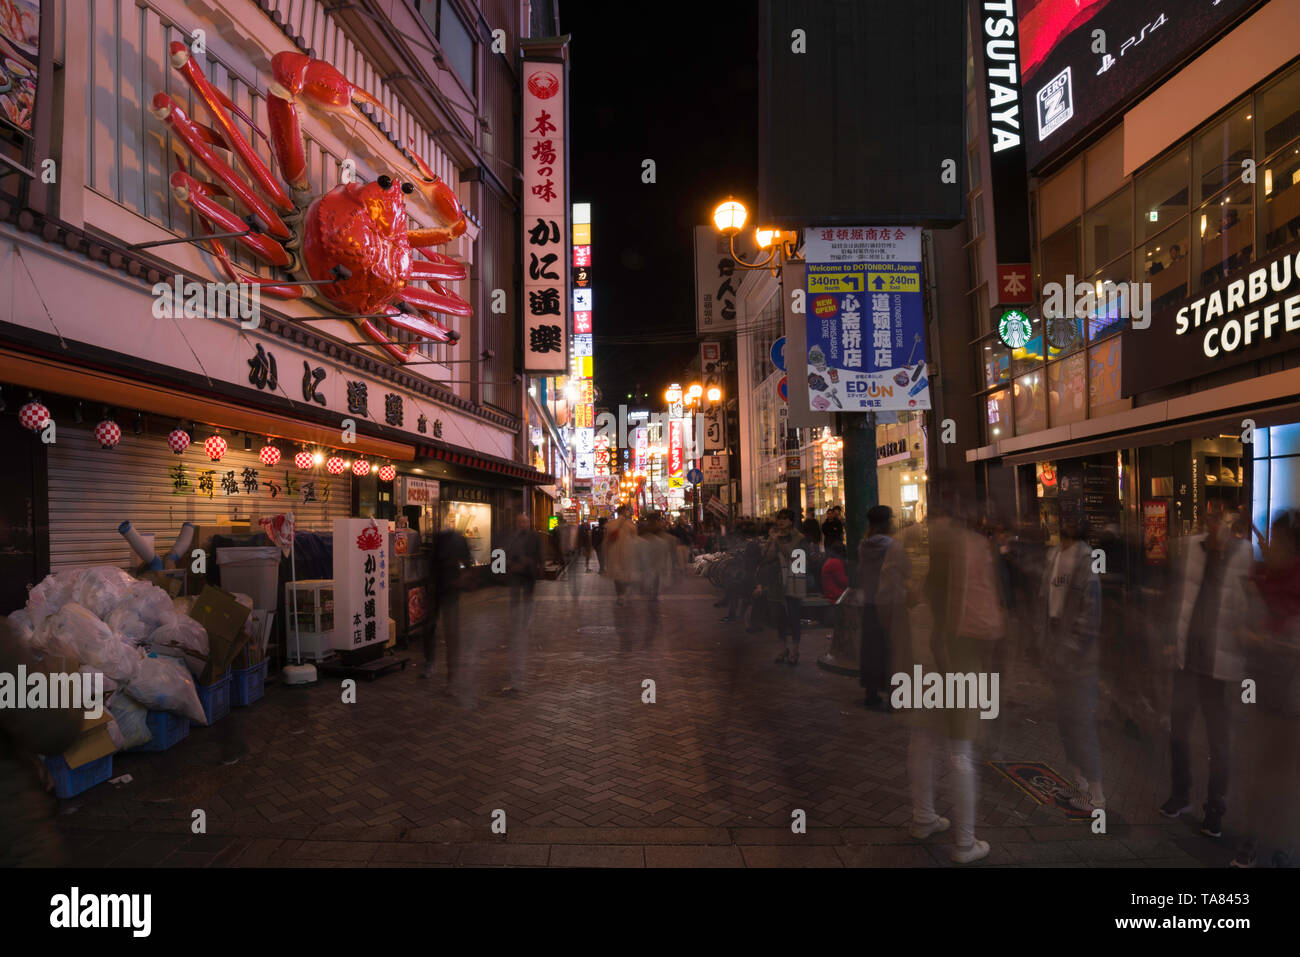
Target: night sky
{"points": [[676, 83]]}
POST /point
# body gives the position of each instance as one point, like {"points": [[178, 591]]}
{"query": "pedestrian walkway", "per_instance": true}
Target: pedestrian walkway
{"points": [[588, 773]]}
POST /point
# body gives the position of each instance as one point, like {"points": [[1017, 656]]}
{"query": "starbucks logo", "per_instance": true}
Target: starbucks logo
{"points": [[1014, 328], [1062, 333]]}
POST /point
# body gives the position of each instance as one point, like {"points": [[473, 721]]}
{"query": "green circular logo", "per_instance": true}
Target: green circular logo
{"points": [[1014, 328]]}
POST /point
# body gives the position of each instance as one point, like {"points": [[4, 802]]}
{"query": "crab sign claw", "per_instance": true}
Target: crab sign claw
{"points": [[440, 196], [297, 77]]}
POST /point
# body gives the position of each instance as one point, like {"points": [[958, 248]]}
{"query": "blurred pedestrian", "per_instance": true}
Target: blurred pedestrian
{"points": [[1069, 622], [584, 544], [881, 557], [1211, 609], [834, 576], [1271, 744], [622, 553], [657, 556], [598, 544], [785, 600], [523, 566], [449, 571], [833, 527]]}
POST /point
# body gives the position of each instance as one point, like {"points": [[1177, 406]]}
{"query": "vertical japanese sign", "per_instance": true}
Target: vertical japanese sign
{"points": [[642, 449], [866, 320], [583, 367], [360, 583], [716, 283], [677, 453], [545, 219]]}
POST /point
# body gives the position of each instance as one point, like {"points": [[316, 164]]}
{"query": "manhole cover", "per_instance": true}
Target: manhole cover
{"points": [[597, 630]]}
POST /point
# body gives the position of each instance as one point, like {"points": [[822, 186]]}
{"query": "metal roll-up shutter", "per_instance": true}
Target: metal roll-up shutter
{"points": [[92, 491]]}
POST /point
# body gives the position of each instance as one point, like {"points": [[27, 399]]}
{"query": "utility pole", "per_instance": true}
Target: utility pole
{"points": [[861, 489]]}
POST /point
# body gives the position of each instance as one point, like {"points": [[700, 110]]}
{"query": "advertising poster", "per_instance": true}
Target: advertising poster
{"points": [[545, 220], [1155, 531], [20, 30], [676, 453], [865, 320]]}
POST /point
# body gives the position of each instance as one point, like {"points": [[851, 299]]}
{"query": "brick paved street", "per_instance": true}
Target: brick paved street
{"points": [[589, 775]]}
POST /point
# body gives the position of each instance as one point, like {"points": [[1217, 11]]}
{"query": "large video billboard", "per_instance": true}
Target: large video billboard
{"points": [[1082, 60]]}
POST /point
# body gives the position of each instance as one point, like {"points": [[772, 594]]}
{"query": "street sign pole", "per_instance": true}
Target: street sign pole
{"points": [[861, 488]]}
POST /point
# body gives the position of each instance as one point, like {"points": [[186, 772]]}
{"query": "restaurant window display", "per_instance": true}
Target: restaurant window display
{"points": [[474, 521]]}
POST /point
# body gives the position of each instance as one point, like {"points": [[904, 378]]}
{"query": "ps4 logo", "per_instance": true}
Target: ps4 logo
{"points": [[1055, 104]]}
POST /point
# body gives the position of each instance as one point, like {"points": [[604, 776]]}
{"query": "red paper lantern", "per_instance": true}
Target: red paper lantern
{"points": [[215, 446], [360, 467], [178, 440], [303, 460], [334, 465], [269, 455], [387, 472], [109, 433], [34, 416]]}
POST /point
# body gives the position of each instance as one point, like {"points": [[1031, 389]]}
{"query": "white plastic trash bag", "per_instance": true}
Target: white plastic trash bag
{"points": [[163, 684], [51, 594], [101, 589], [138, 615], [74, 631], [115, 733], [22, 623], [132, 721], [182, 637]]}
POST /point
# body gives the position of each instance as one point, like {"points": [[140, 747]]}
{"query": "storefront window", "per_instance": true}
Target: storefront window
{"points": [[474, 521], [1031, 355], [1277, 112], [1163, 262], [1067, 388], [1031, 409], [1110, 286], [1281, 184], [1227, 234], [995, 362], [1217, 154], [1161, 195], [1104, 376], [1061, 254], [1107, 231], [998, 417]]}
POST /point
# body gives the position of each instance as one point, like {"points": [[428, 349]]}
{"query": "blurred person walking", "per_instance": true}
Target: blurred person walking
{"points": [[833, 527], [1271, 744], [449, 572], [1068, 624], [584, 544], [786, 591], [884, 571], [622, 555], [1210, 611], [657, 556], [598, 544], [523, 566]]}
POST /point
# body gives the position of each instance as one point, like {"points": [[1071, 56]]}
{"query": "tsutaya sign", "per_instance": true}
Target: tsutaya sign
{"points": [[1253, 315]]}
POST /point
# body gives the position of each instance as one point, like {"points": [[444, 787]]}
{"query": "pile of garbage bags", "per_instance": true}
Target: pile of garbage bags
{"points": [[143, 641]]}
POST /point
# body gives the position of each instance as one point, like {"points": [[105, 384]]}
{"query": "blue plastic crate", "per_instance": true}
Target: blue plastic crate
{"points": [[168, 729], [69, 782], [248, 684], [215, 699]]}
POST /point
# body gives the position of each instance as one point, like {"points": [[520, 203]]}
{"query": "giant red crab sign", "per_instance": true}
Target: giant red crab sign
{"points": [[351, 244]]}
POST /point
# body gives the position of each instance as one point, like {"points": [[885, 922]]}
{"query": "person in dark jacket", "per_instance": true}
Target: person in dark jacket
{"points": [[875, 661], [27, 834], [598, 544], [523, 566], [833, 527], [449, 557]]}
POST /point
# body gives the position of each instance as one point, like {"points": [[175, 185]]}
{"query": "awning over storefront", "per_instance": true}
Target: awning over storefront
{"points": [[49, 376], [521, 474]]}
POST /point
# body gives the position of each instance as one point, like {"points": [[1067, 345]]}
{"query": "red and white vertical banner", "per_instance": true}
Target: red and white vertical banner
{"points": [[545, 219], [360, 583], [676, 452], [581, 338], [642, 449]]}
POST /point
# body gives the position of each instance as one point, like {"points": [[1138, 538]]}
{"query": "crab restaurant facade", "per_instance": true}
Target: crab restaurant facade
{"points": [[187, 334]]}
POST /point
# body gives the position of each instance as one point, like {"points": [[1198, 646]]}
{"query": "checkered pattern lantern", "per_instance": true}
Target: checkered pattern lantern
{"points": [[269, 455], [360, 467], [109, 433], [34, 416], [303, 460], [215, 446], [178, 440], [334, 465], [387, 472]]}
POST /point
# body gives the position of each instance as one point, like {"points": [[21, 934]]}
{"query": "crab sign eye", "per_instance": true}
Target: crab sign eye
{"points": [[408, 188], [385, 182]]}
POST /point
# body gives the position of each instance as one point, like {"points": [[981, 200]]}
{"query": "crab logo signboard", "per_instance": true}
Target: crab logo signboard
{"points": [[360, 583], [545, 220]]}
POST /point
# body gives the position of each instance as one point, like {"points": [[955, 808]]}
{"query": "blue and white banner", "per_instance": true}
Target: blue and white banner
{"points": [[866, 319]]}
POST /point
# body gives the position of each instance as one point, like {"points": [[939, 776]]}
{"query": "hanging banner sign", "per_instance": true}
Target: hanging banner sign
{"points": [[866, 320], [545, 220], [676, 452]]}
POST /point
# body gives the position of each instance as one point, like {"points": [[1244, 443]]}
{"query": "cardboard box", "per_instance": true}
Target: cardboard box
{"points": [[172, 582], [94, 742], [223, 617]]}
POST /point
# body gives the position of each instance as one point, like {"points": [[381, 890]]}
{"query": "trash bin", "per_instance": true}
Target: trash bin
{"points": [[252, 571]]}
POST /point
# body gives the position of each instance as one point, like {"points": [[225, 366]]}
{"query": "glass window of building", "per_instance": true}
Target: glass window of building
{"points": [[1281, 185], [1227, 234], [1107, 231], [1030, 403], [1110, 292], [1104, 377], [998, 416], [1218, 152], [1067, 390], [1161, 194], [1277, 112], [1163, 262], [995, 362], [1060, 254]]}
